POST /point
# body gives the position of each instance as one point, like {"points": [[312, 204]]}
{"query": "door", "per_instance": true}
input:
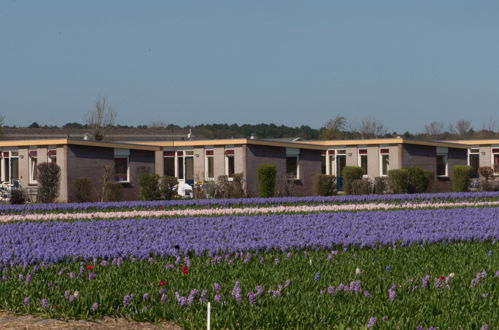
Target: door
{"points": [[341, 162], [189, 170]]}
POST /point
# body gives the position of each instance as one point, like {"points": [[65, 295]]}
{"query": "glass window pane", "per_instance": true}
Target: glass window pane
{"points": [[121, 169], [475, 164], [211, 167], [7, 169], [14, 171], [385, 164], [291, 167], [169, 166], [440, 165], [180, 167], [363, 164], [230, 166]]}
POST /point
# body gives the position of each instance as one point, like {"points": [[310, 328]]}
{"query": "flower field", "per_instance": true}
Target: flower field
{"points": [[360, 262]]}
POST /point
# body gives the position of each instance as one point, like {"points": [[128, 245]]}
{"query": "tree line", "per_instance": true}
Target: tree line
{"points": [[102, 118]]}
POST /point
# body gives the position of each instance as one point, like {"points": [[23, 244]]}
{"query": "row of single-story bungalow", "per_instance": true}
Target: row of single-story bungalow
{"points": [[200, 161]]}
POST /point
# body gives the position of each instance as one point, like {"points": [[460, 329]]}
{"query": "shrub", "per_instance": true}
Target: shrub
{"points": [[350, 173], [237, 188], [360, 187], [485, 172], [461, 177], [17, 196], [398, 181], [82, 191], [49, 175], [266, 180], [410, 180], [419, 180], [285, 186], [486, 185], [149, 187], [168, 187], [113, 192], [381, 185], [325, 185]]}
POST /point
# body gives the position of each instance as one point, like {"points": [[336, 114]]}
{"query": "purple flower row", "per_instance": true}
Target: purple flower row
{"points": [[31, 208], [56, 241]]}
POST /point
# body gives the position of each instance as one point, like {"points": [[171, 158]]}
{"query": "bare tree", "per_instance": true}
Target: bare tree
{"points": [[2, 134], [463, 127], [434, 129], [101, 118], [334, 129], [370, 128]]}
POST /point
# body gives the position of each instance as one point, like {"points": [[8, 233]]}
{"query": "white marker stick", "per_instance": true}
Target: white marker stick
{"points": [[208, 317]]}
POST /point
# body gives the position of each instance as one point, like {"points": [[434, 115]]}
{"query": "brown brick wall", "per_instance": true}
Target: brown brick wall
{"points": [[84, 161], [420, 156]]}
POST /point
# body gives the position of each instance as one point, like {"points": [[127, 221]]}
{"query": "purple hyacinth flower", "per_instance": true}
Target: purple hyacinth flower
{"points": [[27, 300], [424, 282], [67, 294], [71, 299], [485, 327], [236, 292], [259, 290], [372, 322], [367, 294], [163, 298], [94, 306], [92, 276], [317, 277], [28, 278], [72, 275], [20, 277], [145, 297], [330, 290], [252, 298], [202, 297], [218, 298], [287, 283], [126, 300], [44, 303]]}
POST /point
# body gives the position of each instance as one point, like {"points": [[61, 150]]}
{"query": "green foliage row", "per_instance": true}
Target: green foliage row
{"points": [[49, 175], [325, 185], [410, 180], [153, 187], [266, 180], [350, 174], [461, 178], [299, 305]]}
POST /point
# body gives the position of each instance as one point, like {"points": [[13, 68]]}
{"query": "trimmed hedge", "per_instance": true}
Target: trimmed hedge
{"points": [[350, 173], [410, 180], [82, 190], [266, 180], [49, 175], [360, 187], [325, 185], [149, 187], [461, 178]]}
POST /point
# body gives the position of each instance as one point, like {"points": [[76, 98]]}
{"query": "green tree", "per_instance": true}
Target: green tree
{"points": [[334, 129]]}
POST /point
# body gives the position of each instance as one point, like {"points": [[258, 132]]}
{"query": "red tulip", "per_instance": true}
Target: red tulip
{"points": [[162, 283], [185, 270], [90, 267], [442, 278]]}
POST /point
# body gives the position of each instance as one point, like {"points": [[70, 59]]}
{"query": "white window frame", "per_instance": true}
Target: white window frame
{"points": [[441, 151], [226, 161], [50, 158], [492, 155], [359, 159], [11, 155], [32, 170], [206, 165], [293, 152], [125, 154], [381, 161]]}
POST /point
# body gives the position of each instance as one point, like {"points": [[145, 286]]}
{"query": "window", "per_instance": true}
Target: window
{"points": [[169, 163], [323, 163], [210, 165], [331, 163], [33, 171], [495, 159], [474, 161], [385, 161], [229, 163], [363, 160], [180, 165], [442, 161], [292, 168], [121, 168], [52, 156]]}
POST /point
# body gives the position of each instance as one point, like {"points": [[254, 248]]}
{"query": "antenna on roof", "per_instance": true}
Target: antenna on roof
{"points": [[189, 134]]}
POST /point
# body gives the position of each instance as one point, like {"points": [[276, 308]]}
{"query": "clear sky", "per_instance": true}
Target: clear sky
{"points": [[405, 63]]}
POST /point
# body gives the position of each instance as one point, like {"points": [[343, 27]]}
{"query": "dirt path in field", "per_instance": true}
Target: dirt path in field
{"points": [[28, 322]]}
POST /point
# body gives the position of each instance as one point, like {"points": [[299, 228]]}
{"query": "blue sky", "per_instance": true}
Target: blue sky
{"points": [[405, 63]]}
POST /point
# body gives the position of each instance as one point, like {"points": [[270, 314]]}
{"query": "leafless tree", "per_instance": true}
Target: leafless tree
{"points": [[370, 128], [334, 128], [2, 135], [101, 118], [463, 127], [434, 129]]}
